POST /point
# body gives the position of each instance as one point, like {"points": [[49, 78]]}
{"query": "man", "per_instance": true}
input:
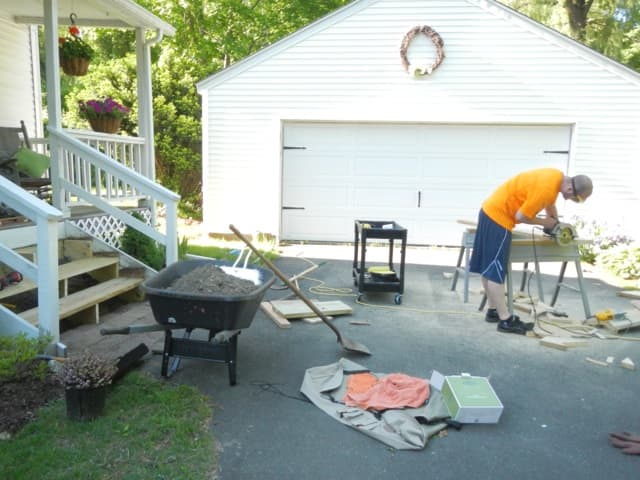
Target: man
{"points": [[519, 200]]}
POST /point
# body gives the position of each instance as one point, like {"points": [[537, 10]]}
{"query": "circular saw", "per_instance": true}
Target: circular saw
{"points": [[563, 234]]}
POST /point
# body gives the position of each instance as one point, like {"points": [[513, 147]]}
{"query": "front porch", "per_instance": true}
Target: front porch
{"points": [[104, 173]]}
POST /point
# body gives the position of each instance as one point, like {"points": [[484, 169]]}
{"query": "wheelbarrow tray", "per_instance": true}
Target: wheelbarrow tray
{"points": [[209, 311]]}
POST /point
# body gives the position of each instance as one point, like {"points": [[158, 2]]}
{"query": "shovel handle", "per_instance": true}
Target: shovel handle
{"points": [[286, 281]]}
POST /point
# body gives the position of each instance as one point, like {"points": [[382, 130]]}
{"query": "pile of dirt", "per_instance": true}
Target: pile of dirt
{"points": [[209, 279]]}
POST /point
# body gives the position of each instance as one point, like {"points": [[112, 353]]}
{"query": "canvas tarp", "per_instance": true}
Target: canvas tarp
{"points": [[402, 428]]}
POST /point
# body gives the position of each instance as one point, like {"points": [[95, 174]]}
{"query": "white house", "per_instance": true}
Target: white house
{"points": [[327, 126]]}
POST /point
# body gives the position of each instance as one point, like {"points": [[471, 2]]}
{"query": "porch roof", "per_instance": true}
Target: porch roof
{"points": [[90, 13]]}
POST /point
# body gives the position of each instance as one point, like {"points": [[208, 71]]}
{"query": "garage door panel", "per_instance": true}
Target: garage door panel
{"points": [[349, 171], [302, 197], [385, 197]]}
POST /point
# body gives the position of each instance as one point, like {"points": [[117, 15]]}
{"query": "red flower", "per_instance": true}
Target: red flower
{"points": [[75, 31]]}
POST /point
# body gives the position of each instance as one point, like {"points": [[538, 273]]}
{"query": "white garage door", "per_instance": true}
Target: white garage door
{"points": [[425, 177]]}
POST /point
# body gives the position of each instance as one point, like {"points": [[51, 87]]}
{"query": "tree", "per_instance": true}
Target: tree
{"points": [[210, 35], [611, 27]]}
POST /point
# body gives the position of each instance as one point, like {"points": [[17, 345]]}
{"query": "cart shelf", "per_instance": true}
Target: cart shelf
{"points": [[391, 280]]}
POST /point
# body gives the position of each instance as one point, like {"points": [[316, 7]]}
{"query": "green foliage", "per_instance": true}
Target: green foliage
{"points": [[149, 430], [622, 260], [610, 247], [73, 46], [18, 357], [610, 27], [141, 247]]}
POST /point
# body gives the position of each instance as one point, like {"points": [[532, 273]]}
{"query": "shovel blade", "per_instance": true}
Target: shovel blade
{"points": [[352, 346]]}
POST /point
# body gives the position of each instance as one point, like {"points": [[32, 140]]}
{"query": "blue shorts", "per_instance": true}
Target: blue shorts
{"points": [[490, 249]]}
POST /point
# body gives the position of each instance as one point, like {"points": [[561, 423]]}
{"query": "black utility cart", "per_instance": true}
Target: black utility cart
{"points": [[378, 278]]}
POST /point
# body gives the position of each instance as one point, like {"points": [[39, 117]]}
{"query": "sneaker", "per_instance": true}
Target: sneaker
{"points": [[492, 316], [514, 325]]}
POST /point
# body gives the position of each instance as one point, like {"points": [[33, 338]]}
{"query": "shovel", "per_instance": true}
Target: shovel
{"points": [[347, 344]]}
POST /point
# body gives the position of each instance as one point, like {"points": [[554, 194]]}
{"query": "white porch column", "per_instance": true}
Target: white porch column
{"points": [[54, 100]]}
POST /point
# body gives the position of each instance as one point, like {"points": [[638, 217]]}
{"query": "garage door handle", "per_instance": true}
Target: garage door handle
{"points": [[293, 208], [419, 198]]}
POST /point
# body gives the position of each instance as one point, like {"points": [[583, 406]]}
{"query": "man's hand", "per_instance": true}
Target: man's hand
{"points": [[549, 224]]}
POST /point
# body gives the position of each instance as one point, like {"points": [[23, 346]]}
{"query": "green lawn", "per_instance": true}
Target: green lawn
{"points": [[150, 430]]}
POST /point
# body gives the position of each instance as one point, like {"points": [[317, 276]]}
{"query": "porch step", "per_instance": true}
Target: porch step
{"points": [[100, 268], [86, 302]]}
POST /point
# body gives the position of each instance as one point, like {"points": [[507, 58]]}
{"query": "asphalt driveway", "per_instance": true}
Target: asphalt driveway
{"points": [[559, 408]]}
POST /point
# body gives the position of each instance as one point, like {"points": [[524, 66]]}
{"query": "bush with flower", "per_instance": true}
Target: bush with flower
{"points": [[72, 46], [107, 107]]}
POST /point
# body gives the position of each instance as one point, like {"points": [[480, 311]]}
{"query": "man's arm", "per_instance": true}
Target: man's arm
{"points": [[547, 222]]}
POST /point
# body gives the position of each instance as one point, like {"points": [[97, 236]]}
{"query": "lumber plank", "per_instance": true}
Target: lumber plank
{"points": [[87, 298], [278, 319], [622, 324], [629, 294], [562, 343], [298, 309], [65, 272]]}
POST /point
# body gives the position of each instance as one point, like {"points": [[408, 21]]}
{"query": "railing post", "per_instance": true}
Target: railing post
{"points": [[47, 260]]}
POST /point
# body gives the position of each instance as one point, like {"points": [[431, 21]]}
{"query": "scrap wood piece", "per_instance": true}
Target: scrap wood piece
{"points": [[278, 319], [292, 309], [563, 343], [627, 363], [596, 362], [622, 324], [629, 294]]}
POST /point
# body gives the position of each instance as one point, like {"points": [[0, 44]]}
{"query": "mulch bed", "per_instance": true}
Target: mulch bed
{"points": [[20, 400]]}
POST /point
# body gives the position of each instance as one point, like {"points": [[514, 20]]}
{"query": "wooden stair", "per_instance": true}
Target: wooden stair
{"points": [[82, 305]]}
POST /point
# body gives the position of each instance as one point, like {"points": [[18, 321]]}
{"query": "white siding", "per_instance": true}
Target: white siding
{"points": [[499, 68], [17, 82]]}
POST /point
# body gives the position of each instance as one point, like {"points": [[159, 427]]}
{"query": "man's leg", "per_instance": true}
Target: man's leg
{"points": [[495, 298]]}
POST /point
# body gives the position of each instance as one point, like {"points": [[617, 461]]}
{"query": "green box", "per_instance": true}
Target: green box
{"points": [[471, 399]]}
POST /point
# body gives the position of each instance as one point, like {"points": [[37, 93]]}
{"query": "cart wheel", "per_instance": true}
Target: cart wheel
{"points": [[397, 299]]}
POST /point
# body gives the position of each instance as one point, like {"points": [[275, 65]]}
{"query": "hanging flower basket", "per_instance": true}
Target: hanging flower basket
{"points": [[105, 124], [76, 66]]}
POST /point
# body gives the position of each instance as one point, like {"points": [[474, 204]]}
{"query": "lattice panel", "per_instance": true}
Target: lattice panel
{"points": [[106, 227]]}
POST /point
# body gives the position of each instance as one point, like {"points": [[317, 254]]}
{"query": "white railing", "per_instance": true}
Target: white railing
{"points": [[125, 150], [77, 180], [43, 272], [88, 175]]}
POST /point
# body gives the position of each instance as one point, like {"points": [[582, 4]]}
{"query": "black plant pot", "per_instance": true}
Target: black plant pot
{"points": [[85, 404]]}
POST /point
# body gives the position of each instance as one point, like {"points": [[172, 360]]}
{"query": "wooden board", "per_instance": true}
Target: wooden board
{"points": [[298, 309], [629, 294], [622, 324], [278, 319], [563, 343]]}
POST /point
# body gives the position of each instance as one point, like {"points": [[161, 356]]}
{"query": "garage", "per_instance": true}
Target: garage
{"points": [[423, 176]]}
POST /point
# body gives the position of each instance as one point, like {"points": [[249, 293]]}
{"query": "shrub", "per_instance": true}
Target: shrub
{"points": [[148, 251], [623, 261], [602, 235], [141, 247], [18, 357]]}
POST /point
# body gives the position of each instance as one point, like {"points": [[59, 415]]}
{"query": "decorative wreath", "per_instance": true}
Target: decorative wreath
{"points": [[419, 70]]}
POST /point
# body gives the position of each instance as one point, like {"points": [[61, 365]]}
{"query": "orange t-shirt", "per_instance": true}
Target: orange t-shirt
{"points": [[530, 192]]}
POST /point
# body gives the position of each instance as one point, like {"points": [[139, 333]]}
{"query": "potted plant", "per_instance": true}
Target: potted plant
{"points": [[85, 378], [75, 53], [103, 115]]}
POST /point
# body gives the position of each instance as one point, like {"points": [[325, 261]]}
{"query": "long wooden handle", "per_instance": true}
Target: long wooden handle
{"points": [[284, 279]]}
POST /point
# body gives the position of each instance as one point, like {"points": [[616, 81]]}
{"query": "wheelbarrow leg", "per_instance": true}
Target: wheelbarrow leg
{"points": [[232, 352]]}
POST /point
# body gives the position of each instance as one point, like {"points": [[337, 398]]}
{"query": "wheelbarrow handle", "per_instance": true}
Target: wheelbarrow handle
{"points": [[132, 329]]}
